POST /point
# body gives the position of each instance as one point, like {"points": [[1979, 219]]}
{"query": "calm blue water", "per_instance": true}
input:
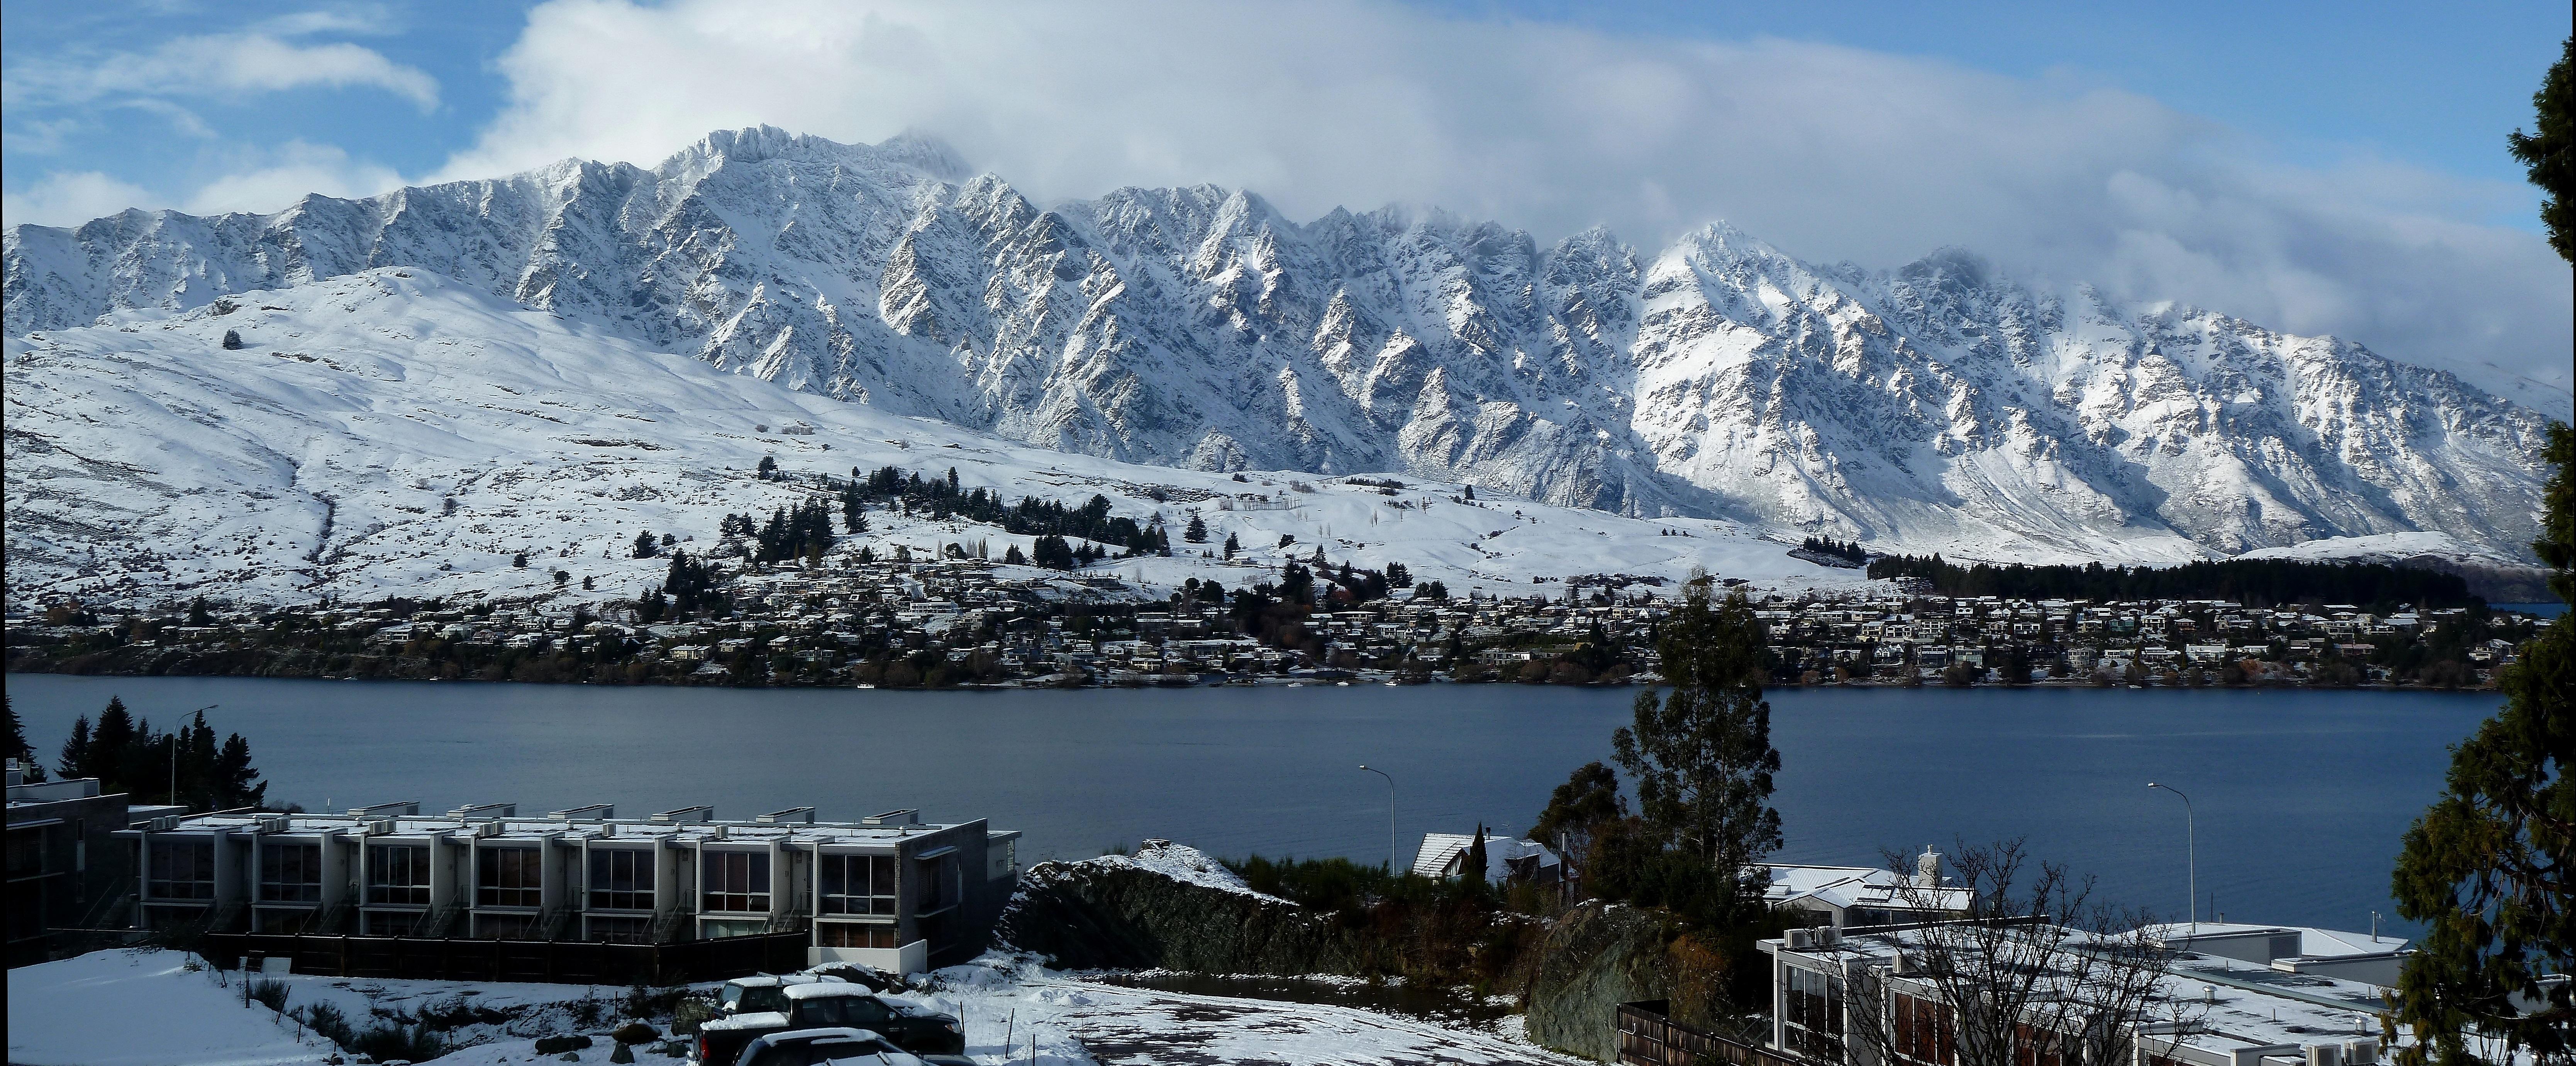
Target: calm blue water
{"points": [[2302, 796], [2544, 610]]}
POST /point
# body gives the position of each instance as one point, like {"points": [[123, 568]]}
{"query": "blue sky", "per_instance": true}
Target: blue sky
{"points": [[2317, 167]]}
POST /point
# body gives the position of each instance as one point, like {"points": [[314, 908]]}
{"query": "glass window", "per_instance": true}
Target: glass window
{"points": [[857, 884], [26, 852], [621, 930], [398, 874], [182, 869], [1923, 1030], [621, 879], [504, 926], [508, 877], [1815, 1021], [290, 873], [856, 1012], [393, 923], [937, 888], [737, 881], [854, 934]]}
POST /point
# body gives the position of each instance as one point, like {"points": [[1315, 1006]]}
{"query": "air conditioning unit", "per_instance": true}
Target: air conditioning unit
{"points": [[272, 823], [486, 829], [1827, 936], [168, 823], [1802, 939]]}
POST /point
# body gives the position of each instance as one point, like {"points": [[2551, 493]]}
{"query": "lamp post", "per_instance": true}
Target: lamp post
{"points": [[1390, 816], [174, 755], [2191, 837]]}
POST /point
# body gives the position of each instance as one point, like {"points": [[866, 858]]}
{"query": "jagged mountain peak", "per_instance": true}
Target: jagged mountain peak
{"points": [[1937, 405]]}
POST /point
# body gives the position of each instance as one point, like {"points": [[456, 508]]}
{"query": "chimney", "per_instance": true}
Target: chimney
{"points": [[1927, 868]]}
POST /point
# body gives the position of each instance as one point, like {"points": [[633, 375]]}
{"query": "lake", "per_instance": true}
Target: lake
{"points": [[2304, 794]]}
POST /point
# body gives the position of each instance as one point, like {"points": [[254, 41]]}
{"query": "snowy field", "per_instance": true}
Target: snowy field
{"points": [[147, 1008], [393, 432]]}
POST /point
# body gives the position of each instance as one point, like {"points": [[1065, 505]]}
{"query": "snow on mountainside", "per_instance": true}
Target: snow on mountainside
{"points": [[395, 432], [1938, 406]]}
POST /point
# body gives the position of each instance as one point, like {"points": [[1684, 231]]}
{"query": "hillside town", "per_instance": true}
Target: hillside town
{"points": [[950, 619]]}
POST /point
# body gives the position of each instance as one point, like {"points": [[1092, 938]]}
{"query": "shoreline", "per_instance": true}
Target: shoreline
{"points": [[1354, 679]]}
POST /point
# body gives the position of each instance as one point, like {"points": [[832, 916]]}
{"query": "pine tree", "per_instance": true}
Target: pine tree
{"points": [[235, 783], [1702, 753], [111, 745], [2549, 156], [645, 546], [520, 560], [1196, 532], [1011, 557], [2490, 869], [16, 747], [1232, 546], [74, 760], [1473, 866], [768, 467], [232, 340]]}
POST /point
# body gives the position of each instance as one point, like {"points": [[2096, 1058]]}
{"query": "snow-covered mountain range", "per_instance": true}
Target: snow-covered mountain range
{"points": [[396, 432], [1937, 406]]}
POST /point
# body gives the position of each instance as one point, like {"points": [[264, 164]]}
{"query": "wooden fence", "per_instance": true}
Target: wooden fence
{"points": [[553, 961], [1648, 1038]]}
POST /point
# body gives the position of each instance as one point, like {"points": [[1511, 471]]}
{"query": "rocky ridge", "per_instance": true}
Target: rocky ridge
{"points": [[1939, 405]]}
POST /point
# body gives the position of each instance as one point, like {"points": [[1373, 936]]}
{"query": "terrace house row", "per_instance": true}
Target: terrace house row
{"points": [[889, 891]]}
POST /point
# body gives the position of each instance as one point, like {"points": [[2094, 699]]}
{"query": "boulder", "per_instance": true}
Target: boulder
{"points": [[548, 1045], [635, 1033], [1598, 956], [1171, 907]]}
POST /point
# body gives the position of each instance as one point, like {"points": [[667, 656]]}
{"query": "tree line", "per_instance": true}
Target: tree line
{"points": [[2253, 582], [186, 766]]}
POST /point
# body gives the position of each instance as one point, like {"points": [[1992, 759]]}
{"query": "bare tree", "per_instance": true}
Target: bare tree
{"points": [[2031, 971]]}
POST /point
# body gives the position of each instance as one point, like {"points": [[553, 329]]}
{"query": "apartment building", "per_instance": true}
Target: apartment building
{"points": [[889, 890], [66, 870]]}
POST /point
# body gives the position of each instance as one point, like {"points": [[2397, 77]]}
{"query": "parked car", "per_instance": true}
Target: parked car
{"points": [[823, 1047], [759, 1006]]}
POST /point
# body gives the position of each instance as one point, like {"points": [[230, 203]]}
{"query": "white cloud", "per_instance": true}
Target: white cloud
{"points": [[1829, 152], [279, 178], [69, 199], [237, 65]]}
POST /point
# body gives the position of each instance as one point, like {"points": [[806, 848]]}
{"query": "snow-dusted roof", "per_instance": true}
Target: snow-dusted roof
{"points": [[2314, 943], [1441, 852], [1857, 886], [574, 831]]}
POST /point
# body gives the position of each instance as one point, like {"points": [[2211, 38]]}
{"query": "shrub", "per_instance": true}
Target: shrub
{"points": [[272, 993]]}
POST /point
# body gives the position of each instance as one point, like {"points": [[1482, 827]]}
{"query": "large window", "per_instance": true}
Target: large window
{"points": [[621, 930], [854, 934], [857, 884], [621, 879], [938, 889], [290, 873], [737, 881], [1815, 1014], [509, 877], [398, 874], [1925, 1032]]}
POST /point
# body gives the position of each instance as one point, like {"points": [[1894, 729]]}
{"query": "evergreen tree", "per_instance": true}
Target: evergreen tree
{"points": [[768, 467], [520, 560], [74, 760], [111, 746], [2490, 868], [1398, 577], [2549, 156], [1232, 546], [645, 546], [1473, 867], [1196, 531], [232, 340], [197, 615], [16, 746], [1011, 557], [235, 783], [1702, 753]]}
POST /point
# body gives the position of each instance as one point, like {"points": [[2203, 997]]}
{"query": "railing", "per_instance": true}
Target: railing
{"points": [[553, 961], [1648, 1038]]}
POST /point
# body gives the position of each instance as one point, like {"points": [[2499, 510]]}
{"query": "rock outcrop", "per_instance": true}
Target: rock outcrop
{"points": [[1170, 907], [1599, 956]]}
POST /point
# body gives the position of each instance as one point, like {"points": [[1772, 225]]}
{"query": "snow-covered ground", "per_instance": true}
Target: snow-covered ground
{"points": [[393, 432], [147, 1008]]}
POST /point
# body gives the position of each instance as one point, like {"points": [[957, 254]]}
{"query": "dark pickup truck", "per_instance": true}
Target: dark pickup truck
{"points": [[758, 1006]]}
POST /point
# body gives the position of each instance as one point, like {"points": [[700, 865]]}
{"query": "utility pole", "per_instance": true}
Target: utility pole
{"points": [[1390, 817]]}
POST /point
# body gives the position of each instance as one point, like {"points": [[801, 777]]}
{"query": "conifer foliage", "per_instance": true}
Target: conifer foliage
{"points": [[1701, 753], [125, 755], [2490, 868]]}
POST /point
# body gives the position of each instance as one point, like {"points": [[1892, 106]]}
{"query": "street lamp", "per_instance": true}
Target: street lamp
{"points": [[174, 755], [2191, 837], [1390, 817]]}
